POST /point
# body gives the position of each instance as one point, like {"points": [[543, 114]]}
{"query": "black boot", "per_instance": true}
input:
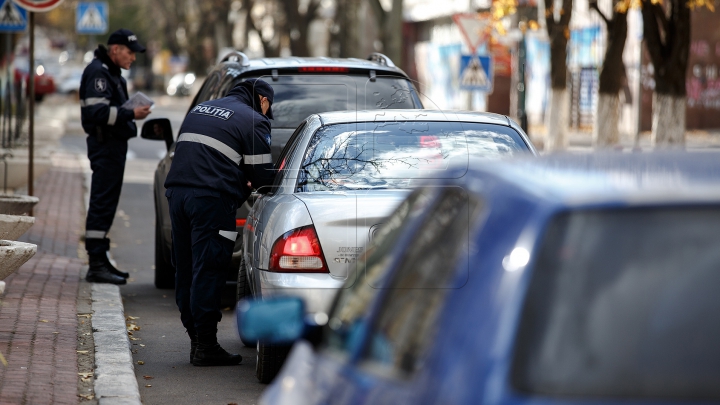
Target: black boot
{"points": [[209, 353], [99, 272], [112, 268]]}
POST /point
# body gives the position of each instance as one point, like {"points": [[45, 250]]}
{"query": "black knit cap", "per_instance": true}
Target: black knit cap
{"points": [[127, 38], [261, 87]]}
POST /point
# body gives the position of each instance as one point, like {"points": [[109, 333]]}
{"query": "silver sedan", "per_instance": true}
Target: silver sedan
{"points": [[340, 175]]}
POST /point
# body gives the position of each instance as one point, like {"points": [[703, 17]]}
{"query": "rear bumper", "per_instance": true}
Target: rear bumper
{"points": [[317, 290]]}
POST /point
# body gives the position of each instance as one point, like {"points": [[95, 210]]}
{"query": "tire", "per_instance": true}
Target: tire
{"points": [[270, 359], [243, 291], [164, 271]]}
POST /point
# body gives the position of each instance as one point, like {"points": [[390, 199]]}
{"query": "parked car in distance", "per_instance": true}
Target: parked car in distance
{"points": [[561, 279], [303, 86], [341, 174], [44, 81]]}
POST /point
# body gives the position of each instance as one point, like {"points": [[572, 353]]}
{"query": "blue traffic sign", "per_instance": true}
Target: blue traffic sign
{"points": [[12, 17], [476, 73], [91, 17]]}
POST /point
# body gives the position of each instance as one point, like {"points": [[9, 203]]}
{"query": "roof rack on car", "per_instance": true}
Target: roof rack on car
{"points": [[381, 59], [237, 56]]}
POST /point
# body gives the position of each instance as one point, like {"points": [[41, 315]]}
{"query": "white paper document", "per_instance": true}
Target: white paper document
{"points": [[137, 100]]}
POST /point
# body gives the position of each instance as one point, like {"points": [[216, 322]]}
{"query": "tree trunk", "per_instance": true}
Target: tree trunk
{"points": [[557, 120], [612, 78], [392, 33], [607, 116], [668, 122], [668, 42], [558, 106]]}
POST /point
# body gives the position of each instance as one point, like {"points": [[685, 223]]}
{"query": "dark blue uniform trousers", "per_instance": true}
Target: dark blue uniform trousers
{"points": [[107, 161], [202, 254]]}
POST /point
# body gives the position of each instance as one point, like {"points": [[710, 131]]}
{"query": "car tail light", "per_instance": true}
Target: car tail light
{"points": [[240, 223], [298, 251], [323, 69]]}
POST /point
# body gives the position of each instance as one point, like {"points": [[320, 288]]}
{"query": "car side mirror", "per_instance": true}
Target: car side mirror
{"points": [[276, 320], [158, 129]]}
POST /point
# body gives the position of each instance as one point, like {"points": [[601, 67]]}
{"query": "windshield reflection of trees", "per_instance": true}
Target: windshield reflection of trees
{"points": [[395, 154]]}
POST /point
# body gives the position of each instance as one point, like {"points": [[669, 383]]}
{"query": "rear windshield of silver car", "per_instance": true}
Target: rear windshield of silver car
{"points": [[624, 303], [398, 154], [298, 96]]}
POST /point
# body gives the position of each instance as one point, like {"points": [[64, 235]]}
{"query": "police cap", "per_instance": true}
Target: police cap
{"points": [[127, 38], [261, 87]]}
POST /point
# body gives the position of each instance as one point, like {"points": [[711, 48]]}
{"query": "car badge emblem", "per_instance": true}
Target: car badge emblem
{"points": [[100, 85]]}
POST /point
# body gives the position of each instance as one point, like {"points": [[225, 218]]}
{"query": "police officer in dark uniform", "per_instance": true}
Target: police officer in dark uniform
{"points": [[109, 126], [222, 152]]}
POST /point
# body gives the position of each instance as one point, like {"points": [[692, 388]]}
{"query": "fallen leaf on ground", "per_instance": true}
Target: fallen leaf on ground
{"points": [[131, 318], [2, 360], [44, 320], [148, 377], [142, 345], [132, 326], [81, 351], [130, 333], [84, 315], [86, 396], [148, 385], [140, 362], [132, 338]]}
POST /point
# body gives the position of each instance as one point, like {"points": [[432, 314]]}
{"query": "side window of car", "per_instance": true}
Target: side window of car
{"points": [[285, 155], [348, 317], [406, 322], [209, 89]]}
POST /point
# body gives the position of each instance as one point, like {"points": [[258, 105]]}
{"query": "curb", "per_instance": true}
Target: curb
{"points": [[115, 381]]}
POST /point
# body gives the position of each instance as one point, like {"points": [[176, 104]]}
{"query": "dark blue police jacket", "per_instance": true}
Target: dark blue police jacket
{"points": [[222, 145], [102, 91]]}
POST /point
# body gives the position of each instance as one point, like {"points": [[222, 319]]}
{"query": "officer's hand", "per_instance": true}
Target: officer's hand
{"points": [[249, 185], [141, 112]]}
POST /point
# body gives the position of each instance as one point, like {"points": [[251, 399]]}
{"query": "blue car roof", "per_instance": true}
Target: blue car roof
{"points": [[607, 178]]}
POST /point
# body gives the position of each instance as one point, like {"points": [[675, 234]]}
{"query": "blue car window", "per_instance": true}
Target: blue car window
{"points": [[398, 154], [405, 326], [624, 303], [348, 315]]}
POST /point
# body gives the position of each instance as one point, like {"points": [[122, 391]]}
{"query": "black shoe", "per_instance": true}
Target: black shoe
{"points": [[109, 265], [100, 273], [214, 355]]}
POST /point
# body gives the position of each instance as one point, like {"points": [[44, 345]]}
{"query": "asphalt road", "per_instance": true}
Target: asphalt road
{"points": [[166, 376]]}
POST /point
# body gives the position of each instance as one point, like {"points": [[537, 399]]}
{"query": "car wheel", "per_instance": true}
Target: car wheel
{"points": [[269, 360], [164, 271]]}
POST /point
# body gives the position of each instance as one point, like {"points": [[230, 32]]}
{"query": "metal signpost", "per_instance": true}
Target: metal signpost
{"points": [[33, 6]]}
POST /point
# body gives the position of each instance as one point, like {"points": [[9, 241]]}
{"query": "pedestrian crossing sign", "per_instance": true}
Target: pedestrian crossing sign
{"points": [[91, 17], [12, 17], [476, 73]]}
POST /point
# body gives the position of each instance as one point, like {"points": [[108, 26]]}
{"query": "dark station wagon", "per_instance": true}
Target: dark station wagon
{"points": [[303, 86]]}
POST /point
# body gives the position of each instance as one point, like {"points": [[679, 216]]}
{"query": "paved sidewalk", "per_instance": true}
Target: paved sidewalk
{"points": [[40, 320], [38, 313]]}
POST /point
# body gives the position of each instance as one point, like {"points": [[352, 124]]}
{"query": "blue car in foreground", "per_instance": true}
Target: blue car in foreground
{"points": [[553, 280]]}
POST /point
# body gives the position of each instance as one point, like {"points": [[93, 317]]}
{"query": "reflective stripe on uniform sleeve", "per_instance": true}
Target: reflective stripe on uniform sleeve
{"points": [[95, 234], [257, 159], [229, 235], [113, 116], [211, 142], [94, 100]]}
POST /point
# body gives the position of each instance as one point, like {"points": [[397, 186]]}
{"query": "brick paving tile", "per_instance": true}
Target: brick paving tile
{"points": [[38, 322]]}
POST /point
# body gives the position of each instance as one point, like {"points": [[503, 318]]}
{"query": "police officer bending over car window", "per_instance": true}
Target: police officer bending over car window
{"points": [[222, 151], [109, 126]]}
